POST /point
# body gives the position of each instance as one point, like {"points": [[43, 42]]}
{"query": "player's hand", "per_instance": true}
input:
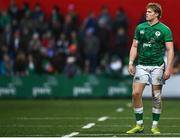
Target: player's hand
{"points": [[131, 69], [167, 74]]}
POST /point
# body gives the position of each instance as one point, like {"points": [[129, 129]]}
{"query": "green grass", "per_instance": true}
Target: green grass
{"points": [[62, 117]]}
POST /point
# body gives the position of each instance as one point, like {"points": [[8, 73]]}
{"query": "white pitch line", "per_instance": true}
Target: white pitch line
{"points": [[120, 109], [88, 126], [162, 118], [103, 118], [110, 126], [102, 135], [37, 126], [118, 134], [88, 118], [55, 118], [52, 126], [129, 104], [70, 135]]}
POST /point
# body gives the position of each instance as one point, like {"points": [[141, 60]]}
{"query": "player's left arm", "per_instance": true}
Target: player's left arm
{"points": [[170, 57]]}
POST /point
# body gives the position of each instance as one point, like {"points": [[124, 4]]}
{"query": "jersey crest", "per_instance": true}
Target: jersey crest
{"points": [[157, 33]]}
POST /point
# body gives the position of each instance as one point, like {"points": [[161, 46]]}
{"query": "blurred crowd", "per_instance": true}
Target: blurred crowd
{"points": [[31, 42]]}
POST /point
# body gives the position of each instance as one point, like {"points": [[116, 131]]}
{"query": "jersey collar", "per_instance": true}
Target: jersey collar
{"points": [[153, 24]]}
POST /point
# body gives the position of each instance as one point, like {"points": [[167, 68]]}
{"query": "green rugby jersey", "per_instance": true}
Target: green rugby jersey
{"points": [[151, 43]]}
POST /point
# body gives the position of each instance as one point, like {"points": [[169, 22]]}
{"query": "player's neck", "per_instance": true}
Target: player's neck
{"points": [[152, 22]]}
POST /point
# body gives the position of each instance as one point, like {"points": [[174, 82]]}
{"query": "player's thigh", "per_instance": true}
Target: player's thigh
{"points": [[138, 88]]}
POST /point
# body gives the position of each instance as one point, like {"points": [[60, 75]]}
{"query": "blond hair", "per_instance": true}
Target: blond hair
{"points": [[156, 7]]}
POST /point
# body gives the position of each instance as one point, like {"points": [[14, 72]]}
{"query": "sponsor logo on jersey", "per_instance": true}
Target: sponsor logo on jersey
{"points": [[152, 41], [142, 32], [146, 45]]}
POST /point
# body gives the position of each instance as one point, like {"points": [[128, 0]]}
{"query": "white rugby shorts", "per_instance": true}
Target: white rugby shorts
{"points": [[149, 74]]}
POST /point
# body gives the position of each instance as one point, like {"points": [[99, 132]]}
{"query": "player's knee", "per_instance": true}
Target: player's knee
{"points": [[136, 94]]}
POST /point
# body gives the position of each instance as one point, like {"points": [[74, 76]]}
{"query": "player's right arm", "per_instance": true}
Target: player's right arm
{"points": [[132, 57]]}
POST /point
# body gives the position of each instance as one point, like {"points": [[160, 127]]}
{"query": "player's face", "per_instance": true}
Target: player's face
{"points": [[150, 15]]}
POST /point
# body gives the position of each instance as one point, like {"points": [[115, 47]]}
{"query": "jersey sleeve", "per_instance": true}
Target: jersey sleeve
{"points": [[136, 34], [168, 35]]}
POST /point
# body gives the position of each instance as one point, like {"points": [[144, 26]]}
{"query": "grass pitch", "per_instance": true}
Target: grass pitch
{"points": [[68, 117]]}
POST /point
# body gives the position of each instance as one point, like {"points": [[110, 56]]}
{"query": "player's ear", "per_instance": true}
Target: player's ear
{"points": [[157, 14]]}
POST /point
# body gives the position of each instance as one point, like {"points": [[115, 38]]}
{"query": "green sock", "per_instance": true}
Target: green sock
{"points": [[139, 115], [155, 116]]}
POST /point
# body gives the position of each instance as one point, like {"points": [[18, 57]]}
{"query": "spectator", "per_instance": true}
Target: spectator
{"points": [[20, 65], [31, 65], [56, 21], [73, 42], [74, 16], [27, 21], [105, 19], [35, 43], [62, 44], [90, 50], [7, 35], [16, 43], [37, 13], [25, 39], [90, 22], [5, 19], [61, 53], [121, 44], [104, 31], [6, 66], [13, 11], [121, 20], [70, 68], [35, 47]]}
